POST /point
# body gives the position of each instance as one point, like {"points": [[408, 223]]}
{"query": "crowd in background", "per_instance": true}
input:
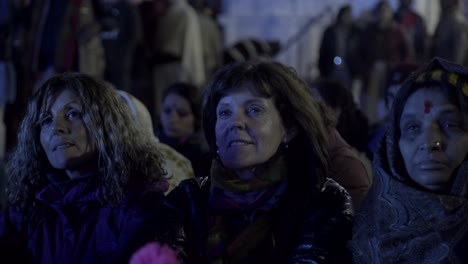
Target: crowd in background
{"points": [[142, 47], [186, 94]]}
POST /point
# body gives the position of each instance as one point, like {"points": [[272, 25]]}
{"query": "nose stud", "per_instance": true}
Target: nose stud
{"points": [[435, 145]]}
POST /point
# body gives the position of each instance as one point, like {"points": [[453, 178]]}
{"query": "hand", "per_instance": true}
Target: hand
{"points": [[155, 253]]}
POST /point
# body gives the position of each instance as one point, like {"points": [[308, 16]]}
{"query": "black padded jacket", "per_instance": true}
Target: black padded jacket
{"points": [[315, 232]]}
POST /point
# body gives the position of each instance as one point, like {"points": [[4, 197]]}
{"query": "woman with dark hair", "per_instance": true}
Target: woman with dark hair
{"points": [[417, 208], [268, 198], [351, 122], [347, 138], [85, 185], [177, 166], [180, 125]]}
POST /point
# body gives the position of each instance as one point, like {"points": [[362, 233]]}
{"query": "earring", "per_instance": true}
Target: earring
{"points": [[217, 152], [286, 145]]}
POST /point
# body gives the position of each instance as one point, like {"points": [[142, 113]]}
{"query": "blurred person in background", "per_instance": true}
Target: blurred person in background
{"points": [[180, 128], [176, 166], [347, 132], [120, 32], [382, 46], [337, 52], [450, 40], [414, 28]]}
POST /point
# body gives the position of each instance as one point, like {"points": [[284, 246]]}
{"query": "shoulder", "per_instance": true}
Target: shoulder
{"points": [[190, 187], [189, 193], [346, 166], [195, 183], [326, 228]]}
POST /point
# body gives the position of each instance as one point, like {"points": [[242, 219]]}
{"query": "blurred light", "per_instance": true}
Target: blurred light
{"points": [[337, 60]]}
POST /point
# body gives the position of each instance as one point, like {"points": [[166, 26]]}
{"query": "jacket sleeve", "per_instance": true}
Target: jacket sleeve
{"points": [[148, 221], [186, 205], [326, 228]]}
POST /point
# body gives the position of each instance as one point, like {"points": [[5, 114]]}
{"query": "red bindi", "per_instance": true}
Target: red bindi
{"points": [[427, 106]]}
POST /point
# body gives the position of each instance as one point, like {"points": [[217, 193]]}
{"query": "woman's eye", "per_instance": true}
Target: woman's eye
{"points": [[254, 110], [450, 125], [223, 113], [167, 111], [45, 121], [182, 113], [410, 128], [73, 114]]}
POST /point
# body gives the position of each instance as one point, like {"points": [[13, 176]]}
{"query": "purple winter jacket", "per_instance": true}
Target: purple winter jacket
{"points": [[71, 224]]}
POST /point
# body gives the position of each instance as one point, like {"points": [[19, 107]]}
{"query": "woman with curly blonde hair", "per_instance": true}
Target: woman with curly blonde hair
{"points": [[84, 183]]}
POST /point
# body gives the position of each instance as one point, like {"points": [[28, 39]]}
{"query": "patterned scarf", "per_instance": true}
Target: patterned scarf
{"points": [[254, 199]]}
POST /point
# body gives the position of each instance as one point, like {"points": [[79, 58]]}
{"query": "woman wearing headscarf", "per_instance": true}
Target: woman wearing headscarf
{"points": [[417, 209]]}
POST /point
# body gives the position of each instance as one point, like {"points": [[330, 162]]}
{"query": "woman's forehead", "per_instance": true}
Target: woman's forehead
{"points": [[429, 100]]}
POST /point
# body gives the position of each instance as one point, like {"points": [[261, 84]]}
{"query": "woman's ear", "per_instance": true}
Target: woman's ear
{"points": [[291, 133]]}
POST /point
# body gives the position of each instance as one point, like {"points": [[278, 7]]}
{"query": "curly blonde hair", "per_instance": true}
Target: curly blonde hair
{"points": [[126, 156]]}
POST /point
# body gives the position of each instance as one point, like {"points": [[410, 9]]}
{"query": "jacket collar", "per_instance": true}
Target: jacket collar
{"points": [[63, 190]]}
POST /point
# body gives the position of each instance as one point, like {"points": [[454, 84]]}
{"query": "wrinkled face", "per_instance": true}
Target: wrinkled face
{"points": [[429, 117], [177, 118], [248, 130], [64, 136]]}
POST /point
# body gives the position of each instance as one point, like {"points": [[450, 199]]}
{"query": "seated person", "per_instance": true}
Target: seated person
{"points": [[180, 126], [268, 198], [85, 185], [346, 125], [417, 208], [176, 166]]}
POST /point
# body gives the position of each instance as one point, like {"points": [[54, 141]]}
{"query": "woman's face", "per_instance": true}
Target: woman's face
{"points": [[177, 118], [63, 135], [434, 138], [248, 130]]}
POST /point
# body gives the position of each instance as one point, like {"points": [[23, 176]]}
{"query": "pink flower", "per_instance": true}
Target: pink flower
{"points": [[155, 253]]}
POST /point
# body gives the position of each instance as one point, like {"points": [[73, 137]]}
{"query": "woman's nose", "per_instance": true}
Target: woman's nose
{"points": [[432, 139], [173, 116], [238, 120], [431, 146], [59, 126]]}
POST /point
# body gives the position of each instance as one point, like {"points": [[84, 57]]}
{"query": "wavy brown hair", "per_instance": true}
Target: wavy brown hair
{"points": [[126, 157]]}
